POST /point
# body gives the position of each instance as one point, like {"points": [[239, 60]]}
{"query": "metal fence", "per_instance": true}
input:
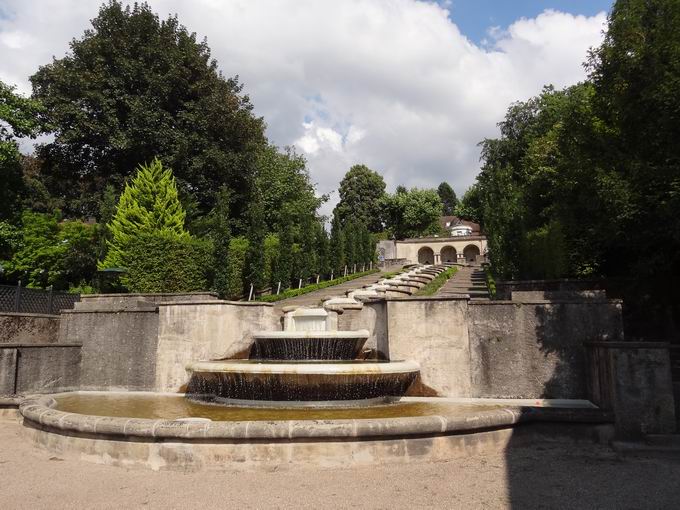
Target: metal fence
{"points": [[24, 300]]}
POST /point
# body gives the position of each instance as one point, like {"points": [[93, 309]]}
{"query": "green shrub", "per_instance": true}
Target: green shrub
{"points": [[165, 263], [431, 288]]}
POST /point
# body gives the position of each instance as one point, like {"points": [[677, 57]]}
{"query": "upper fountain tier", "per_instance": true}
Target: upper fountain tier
{"points": [[309, 334]]}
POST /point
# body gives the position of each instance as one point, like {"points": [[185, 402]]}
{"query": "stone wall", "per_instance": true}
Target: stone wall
{"points": [[536, 349], [28, 328], [203, 331], [434, 332], [633, 379], [38, 368], [372, 316], [118, 347]]}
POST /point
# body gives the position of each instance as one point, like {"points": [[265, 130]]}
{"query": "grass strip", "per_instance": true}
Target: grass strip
{"points": [[431, 288], [315, 286]]}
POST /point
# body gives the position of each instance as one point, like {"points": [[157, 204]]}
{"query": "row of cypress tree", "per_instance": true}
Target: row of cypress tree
{"points": [[148, 239]]}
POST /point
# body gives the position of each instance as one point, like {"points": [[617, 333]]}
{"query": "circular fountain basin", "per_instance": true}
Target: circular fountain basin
{"points": [[308, 345], [270, 382], [167, 432]]}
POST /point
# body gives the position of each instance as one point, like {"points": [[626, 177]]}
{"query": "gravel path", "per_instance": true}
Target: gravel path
{"points": [[536, 477]]}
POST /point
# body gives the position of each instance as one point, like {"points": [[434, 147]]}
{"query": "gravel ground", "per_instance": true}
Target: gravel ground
{"points": [[536, 477]]}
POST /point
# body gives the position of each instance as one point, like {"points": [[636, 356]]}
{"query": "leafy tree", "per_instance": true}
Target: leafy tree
{"points": [[134, 87], [220, 234], [322, 250], [286, 189], [238, 249], [149, 204], [48, 252], [337, 246], [18, 119], [360, 192], [271, 254], [470, 206], [255, 260], [448, 198], [284, 261], [414, 213]]}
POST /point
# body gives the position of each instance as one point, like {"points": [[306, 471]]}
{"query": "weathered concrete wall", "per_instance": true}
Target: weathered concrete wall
{"points": [[634, 380], [102, 302], [535, 349], [433, 332], [372, 316], [38, 368], [203, 331], [505, 289], [28, 328], [119, 347]]}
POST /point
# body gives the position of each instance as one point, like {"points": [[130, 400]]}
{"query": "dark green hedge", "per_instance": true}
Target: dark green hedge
{"points": [[158, 263]]}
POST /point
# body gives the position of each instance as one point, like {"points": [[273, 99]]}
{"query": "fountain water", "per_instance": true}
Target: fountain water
{"points": [[308, 363]]}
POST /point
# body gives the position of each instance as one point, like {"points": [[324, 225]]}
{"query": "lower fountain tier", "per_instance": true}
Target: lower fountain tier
{"points": [[308, 345], [263, 382]]}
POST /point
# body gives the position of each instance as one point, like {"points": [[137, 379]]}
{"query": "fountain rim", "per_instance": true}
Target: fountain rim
{"points": [[315, 335], [323, 368], [40, 411]]}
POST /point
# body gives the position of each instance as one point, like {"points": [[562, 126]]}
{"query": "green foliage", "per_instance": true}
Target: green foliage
{"points": [[271, 253], [286, 190], [448, 198], [161, 262], [255, 257], [490, 280], [322, 251], [134, 87], [337, 246], [283, 262], [46, 252], [360, 193], [148, 205], [412, 213], [220, 234], [543, 252], [18, 119], [311, 288], [434, 285], [470, 206], [238, 248]]}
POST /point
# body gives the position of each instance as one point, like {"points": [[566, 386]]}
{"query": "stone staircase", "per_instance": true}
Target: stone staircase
{"points": [[468, 280]]}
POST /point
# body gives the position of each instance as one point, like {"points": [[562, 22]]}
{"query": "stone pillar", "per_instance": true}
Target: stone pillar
{"points": [[633, 379]]}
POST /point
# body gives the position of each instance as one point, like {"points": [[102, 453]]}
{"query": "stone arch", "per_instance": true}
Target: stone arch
{"points": [[448, 254], [471, 252], [425, 255]]}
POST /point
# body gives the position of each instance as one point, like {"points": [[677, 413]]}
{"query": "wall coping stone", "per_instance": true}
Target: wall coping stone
{"points": [[629, 345], [215, 302], [38, 346], [443, 239], [548, 302], [149, 294], [113, 310], [449, 297], [24, 314], [40, 410]]}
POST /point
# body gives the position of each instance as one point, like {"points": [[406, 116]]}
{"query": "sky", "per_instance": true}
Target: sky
{"points": [[407, 87]]}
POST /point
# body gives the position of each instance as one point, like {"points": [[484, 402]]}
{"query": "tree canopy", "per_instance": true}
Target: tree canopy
{"points": [[448, 198], [360, 192], [149, 205], [413, 213], [135, 87]]}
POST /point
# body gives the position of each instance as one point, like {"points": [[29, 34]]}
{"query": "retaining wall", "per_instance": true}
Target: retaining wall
{"points": [[28, 328], [39, 368]]}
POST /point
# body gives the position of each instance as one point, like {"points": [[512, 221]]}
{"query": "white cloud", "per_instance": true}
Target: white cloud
{"points": [[392, 84]]}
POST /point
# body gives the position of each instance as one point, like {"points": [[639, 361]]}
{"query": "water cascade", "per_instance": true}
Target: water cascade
{"points": [[310, 362]]}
